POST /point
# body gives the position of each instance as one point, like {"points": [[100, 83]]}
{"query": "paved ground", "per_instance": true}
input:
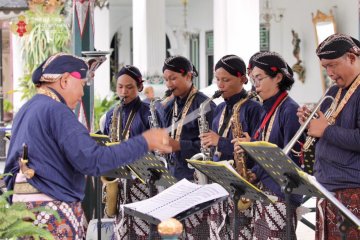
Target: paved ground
{"points": [[303, 232]]}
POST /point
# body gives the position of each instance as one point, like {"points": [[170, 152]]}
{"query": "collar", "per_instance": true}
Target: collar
{"points": [[348, 87], [268, 103], [132, 104], [231, 101], [58, 95], [181, 101]]}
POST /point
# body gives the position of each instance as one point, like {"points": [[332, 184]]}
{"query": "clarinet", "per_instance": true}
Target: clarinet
{"points": [[205, 153], [114, 134], [110, 190], [203, 123], [154, 122]]}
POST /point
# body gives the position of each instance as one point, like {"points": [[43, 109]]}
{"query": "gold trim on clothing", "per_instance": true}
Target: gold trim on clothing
{"points": [[188, 103], [48, 92], [24, 188], [344, 101], [266, 136]]}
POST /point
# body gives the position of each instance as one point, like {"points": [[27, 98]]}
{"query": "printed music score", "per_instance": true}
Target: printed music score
{"points": [[178, 201]]}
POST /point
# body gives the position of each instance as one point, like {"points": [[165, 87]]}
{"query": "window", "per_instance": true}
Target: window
{"points": [[209, 38]]}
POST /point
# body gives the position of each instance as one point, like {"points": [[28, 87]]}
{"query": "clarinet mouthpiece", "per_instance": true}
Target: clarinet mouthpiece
{"points": [[217, 94]]}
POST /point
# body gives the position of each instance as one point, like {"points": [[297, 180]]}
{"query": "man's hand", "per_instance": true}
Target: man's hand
{"points": [[175, 145], [303, 113], [317, 126], [236, 141], [209, 139], [251, 176], [157, 140]]}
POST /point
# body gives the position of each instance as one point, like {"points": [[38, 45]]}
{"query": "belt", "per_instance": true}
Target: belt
{"points": [[24, 188]]}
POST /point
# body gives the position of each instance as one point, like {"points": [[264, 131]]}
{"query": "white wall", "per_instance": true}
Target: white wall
{"points": [[18, 71], [202, 20], [297, 16], [199, 19], [121, 22], [101, 43]]}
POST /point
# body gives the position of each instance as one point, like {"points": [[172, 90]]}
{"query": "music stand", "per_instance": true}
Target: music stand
{"points": [[236, 185], [121, 172], [291, 178], [152, 172]]}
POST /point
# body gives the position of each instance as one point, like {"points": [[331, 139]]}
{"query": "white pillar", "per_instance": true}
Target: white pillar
{"points": [[102, 43], [149, 35], [236, 28], [18, 71]]}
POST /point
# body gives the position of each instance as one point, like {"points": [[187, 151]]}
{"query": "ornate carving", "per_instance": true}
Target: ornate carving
{"points": [[297, 67]]}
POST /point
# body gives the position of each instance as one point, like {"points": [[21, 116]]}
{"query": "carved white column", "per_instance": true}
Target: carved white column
{"points": [[236, 28], [102, 42], [149, 35]]}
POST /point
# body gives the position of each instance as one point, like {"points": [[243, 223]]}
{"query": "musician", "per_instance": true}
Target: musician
{"points": [[249, 69], [178, 73], [134, 112], [60, 150], [132, 118], [337, 152], [230, 73], [273, 78]]}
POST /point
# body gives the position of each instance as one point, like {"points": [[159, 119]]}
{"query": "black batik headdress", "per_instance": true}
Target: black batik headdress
{"points": [[337, 45]]}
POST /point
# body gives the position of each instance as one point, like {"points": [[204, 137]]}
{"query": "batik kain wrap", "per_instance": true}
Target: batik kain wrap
{"points": [[71, 225], [327, 215], [270, 219]]}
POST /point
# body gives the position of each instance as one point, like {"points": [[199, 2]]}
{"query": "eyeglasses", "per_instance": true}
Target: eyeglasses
{"points": [[258, 80]]}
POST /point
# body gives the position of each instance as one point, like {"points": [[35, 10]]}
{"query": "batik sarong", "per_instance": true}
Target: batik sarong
{"points": [[327, 216], [127, 226], [269, 220], [222, 222], [71, 223]]}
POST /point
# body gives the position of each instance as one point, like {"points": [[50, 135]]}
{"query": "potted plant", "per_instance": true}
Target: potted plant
{"points": [[8, 111]]}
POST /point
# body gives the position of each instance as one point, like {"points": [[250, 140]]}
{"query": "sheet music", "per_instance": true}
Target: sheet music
{"points": [[178, 198]]}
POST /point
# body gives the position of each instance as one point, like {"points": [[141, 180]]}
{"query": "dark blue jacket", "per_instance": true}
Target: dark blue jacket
{"points": [[337, 153], [249, 116], [285, 126], [61, 151], [140, 122], [189, 138]]}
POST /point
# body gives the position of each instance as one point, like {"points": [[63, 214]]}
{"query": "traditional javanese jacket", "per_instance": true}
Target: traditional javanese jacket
{"points": [[337, 153], [140, 122], [61, 151], [284, 127], [249, 117], [189, 138]]}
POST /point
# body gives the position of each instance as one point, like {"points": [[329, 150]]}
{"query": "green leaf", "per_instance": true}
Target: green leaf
{"points": [[22, 229], [16, 220], [49, 35]]}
